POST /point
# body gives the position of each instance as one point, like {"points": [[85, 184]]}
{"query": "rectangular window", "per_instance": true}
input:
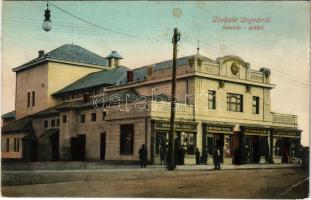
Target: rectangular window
{"points": [[255, 105], [28, 99], [212, 99], [53, 123], [234, 102], [7, 144], [16, 144], [45, 123], [126, 139], [64, 119], [82, 118], [104, 115], [93, 117], [57, 122], [33, 98]]}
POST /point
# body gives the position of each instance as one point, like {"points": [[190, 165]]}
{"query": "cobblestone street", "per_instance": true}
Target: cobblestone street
{"points": [[243, 183]]}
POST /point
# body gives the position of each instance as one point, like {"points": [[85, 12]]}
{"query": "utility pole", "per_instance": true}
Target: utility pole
{"points": [[171, 157]]}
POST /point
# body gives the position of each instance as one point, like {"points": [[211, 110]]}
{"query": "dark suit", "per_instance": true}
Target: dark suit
{"points": [[216, 158]]}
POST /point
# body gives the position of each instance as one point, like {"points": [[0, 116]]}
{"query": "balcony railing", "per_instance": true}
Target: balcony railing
{"points": [[256, 76], [209, 69], [284, 119]]}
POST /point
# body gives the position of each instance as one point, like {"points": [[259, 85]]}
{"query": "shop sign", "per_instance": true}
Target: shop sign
{"points": [[178, 126], [219, 129], [286, 133], [256, 131]]}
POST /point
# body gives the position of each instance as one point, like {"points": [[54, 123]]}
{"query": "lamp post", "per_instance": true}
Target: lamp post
{"points": [[47, 24], [171, 158]]}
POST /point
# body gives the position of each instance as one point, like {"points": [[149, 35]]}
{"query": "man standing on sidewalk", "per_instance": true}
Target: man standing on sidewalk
{"points": [[197, 156], [216, 158], [143, 156]]}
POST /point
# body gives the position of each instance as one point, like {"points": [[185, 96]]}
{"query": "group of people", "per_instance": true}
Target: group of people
{"points": [[179, 155], [163, 156]]}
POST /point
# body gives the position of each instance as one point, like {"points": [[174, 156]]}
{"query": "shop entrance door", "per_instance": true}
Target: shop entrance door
{"points": [[256, 149], [248, 150], [285, 152], [55, 146]]}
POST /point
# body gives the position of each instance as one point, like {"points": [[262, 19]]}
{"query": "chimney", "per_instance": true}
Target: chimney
{"points": [[130, 76], [41, 53], [113, 59]]}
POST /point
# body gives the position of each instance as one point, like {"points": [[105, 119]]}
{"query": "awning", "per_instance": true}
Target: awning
{"points": [[49, 133]]}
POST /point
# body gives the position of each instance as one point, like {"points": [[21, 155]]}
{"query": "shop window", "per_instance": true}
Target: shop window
{"points": [[210, 145], [64, 119], [46, 124], [234, 102], [212, 99], [188, 140], [228, 146], [126, 139], [255, 105], [161, 141], [16, 144], [82, 118], [7, 144], [104, 115], [93, 117], [53, 123]]}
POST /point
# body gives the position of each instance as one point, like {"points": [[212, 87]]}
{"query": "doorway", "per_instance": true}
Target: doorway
{"points": [[78, 147], [102, 146], [285, 150], [256, 149], [219, 144], [55, 146]]}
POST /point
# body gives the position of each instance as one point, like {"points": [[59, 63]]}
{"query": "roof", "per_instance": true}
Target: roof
{"points": [[9, 115], [104, 77], [21, 125], [141, 73], [114, 54], [68, 53], [117, 76]]}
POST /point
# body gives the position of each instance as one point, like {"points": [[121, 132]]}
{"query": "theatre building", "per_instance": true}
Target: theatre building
{"points": [[72, 104]]}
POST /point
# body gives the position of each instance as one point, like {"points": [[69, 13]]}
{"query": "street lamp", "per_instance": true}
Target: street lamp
{"points": [[47, 24]]}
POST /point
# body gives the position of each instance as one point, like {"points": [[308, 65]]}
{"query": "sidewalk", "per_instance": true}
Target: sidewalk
{"points": [[246, 166], [54, 166]]}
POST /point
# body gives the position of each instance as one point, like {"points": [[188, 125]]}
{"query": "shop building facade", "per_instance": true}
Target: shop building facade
{"points": [[109, 112]]}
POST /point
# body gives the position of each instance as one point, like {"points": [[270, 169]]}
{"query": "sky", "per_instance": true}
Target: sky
{"points": [[141, 32]]}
